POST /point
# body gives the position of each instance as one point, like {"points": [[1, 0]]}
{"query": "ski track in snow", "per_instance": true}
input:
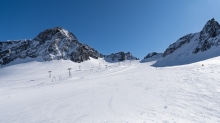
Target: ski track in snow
{"points": [[129, 93]]}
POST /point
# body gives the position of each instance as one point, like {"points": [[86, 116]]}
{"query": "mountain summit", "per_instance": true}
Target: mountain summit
{"points": [[210, 30], [54, 33], [55, 43]]}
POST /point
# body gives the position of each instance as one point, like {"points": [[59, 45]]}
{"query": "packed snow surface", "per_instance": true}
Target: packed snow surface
{"points": [[100, 92]]}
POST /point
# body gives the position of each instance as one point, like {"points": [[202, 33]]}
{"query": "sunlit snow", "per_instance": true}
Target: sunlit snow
{"points": [[101, 92]]}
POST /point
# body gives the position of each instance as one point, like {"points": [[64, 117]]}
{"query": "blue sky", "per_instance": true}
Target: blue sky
{"points": [[138, 26]]}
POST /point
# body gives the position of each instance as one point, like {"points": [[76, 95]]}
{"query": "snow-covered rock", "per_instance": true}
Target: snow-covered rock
{"points": [[153, 54], [55, 43], [192, 47], [179, 43], [208, 37], [120, 56]]}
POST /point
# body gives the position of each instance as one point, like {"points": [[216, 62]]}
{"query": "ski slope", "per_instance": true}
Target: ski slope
{"points": [[129, 92]]}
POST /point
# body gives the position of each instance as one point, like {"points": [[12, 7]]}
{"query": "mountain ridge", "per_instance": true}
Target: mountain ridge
{"points": [[185, 48], [58, 43], [120, 56], [52, 44], [210, 30]]}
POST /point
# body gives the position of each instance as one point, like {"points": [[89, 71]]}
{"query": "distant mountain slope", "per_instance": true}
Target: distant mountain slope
{"points": [[153, 55], [120, 56], [193, 47], [55, 43]]}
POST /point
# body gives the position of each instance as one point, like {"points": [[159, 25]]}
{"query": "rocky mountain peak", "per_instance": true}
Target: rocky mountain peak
{"points": [[196, 42], [211, 23], [51, 44], [53, 34], [211, 29]]}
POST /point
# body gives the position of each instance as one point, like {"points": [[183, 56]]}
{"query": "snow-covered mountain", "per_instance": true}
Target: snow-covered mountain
{"points": [[55, 43], [120, 56], [95, 91], [58, 43], [188, 47], [153, 55]]}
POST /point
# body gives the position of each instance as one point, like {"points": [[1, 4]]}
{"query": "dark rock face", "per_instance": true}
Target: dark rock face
{"points": [[86, 52], [206, 38], [153, 54], [56, 43], [12, 50], [210, 30], [120, 56], [54, 33]]}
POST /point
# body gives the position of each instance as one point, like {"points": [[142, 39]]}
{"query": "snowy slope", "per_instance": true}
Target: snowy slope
{"points": [[152, 57], [193, 47], [153, 54], [129, 92]]}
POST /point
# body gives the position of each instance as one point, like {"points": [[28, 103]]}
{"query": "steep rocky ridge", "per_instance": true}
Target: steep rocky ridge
{"points": [[208, 37], [51, 44], [193, 47]]}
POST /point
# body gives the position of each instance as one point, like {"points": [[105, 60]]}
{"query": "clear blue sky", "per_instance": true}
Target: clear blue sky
{"points": [[138, 26]]}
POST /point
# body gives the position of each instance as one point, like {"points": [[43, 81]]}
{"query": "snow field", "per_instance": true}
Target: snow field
{"points": [[129, 93]]}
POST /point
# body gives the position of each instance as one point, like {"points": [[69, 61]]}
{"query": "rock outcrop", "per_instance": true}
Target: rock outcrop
{"points": [[120, 56], [153, 54]]}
